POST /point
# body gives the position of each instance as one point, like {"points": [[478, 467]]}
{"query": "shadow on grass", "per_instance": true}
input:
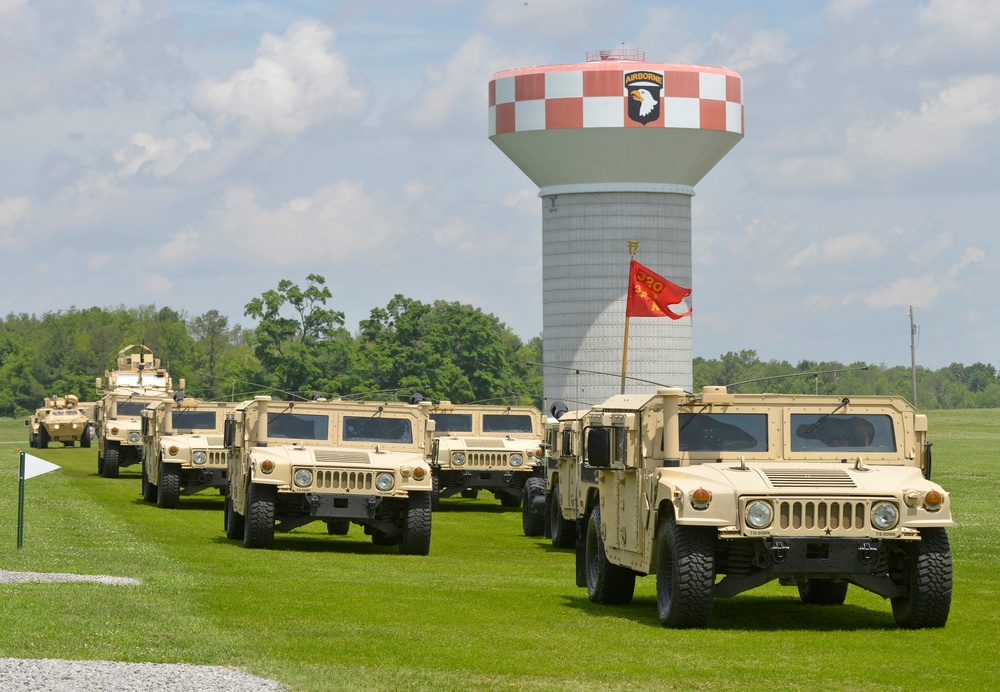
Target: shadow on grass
{"points": [[355, 543], [210, 503], [755, 614], [463, 506]]}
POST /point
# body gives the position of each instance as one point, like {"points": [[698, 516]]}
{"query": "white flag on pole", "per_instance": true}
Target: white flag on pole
{"points": [[33, 466]]}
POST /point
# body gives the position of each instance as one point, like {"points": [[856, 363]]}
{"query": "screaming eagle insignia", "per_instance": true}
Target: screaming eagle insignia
{"points": [[645, 92]]}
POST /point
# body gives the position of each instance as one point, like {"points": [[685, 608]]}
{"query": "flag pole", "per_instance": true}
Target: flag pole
{"points": [[20, 501], [633, 247]]}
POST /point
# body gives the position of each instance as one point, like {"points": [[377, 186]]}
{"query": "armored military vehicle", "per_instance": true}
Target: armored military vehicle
{"points": [[483, 447], [182, 451], [818, 492], [341, 462], [137, 382], [561, 498], [60, 420]]}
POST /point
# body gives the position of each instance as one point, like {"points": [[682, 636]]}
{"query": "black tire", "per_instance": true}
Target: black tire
{"points": [[233, 523], [86, 437], [415, 536], [43, 437], [435, 492], [112, 455], [259, 521], [168, 486], [925, 570], [563, 530], [149, 490], [607, 583], [32, 440], [100, 464], [338, 527], [509, 500], [470, 493], [823, 592], [685, 574], [532, 524]]}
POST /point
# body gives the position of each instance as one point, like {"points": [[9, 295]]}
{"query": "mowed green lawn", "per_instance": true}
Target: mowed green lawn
{"points": [[488, 608]]}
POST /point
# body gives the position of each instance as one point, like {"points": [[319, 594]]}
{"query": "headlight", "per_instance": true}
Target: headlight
{"points": [[516, 460], [133, 437], [303, 478], [199, 458], [384, 481], [884, 516], [458, 459], [759, 514]]}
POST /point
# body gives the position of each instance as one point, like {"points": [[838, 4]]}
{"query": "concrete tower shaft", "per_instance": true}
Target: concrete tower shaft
{"points": [[616, 146]]}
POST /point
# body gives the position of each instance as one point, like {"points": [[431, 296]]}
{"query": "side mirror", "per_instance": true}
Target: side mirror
{"points": [[229, 432], [145, 426], [567, 443], [599, 447]]}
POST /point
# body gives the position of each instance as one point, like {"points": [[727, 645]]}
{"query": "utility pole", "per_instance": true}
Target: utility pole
{"points": [[913, 355]]}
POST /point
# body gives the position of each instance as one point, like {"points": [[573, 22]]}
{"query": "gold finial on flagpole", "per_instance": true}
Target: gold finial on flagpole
{"points": [[633, 247]]}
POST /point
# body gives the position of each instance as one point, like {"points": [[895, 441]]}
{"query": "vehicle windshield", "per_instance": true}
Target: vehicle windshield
{"points": [[723, 432], [130, 408], [298, 426], [193, 420], [506, 423], [813, 432], [452, 422], [369, 429]]}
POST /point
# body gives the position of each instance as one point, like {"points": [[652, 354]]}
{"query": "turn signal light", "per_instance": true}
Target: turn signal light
{"points": [[267, 466], [419, 473], [933, 500], [701, 498], [173, 450]]}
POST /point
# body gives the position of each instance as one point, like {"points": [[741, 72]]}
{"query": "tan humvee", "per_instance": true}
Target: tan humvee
{"points": [[817, 492], [342, 462], [60, 420], [138, 382], [481, 447], [569, 480], [182, 451]]}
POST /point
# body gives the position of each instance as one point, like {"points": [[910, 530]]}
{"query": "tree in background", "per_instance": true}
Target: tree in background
{"points": [[295, 352]]}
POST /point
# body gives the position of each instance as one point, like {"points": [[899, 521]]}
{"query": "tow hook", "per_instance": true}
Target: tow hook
{"points": [[508, 476], [372, 504], [779, 551], [867, 553]]}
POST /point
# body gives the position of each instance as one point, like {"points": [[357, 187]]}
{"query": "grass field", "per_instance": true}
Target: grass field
{"points": [[488, 608]]}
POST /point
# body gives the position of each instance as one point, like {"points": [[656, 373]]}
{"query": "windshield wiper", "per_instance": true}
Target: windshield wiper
{"points": [[688, 421], [368, 420], [815, 425]]}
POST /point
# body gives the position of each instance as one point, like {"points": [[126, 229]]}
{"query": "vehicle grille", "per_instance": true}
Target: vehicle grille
{"points": [[487, 459], [343, 480], [218, 458], [809, 516], [809, 478], [333, 456]]}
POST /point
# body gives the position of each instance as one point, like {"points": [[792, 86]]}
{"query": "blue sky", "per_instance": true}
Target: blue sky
{"points": [[192, 154]]}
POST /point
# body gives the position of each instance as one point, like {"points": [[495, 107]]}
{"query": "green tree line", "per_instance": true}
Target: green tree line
{"points": [[298, 346]]}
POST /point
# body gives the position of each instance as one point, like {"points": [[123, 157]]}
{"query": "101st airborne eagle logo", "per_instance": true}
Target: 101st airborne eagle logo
{"points": [[644, 91]]}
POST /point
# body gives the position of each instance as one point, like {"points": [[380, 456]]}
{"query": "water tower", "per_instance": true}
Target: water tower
{"points": [[616, 146]]}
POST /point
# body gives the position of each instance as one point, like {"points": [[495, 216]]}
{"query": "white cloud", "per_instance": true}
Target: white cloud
{"points": [[159, 157], [931, 250], [458, 90], [13, 209], [552, 19], [963, 21], [925, 290], [295, 83], [334, 224]]}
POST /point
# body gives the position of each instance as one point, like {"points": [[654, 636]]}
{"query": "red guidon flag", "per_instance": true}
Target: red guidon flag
{"points": [[649, 294]]}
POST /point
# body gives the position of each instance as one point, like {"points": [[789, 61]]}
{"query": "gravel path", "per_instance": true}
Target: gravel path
{"points": [[56, 675]]}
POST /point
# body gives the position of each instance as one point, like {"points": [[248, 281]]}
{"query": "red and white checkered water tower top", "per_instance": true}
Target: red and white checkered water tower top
{"points": [[616, 120]]}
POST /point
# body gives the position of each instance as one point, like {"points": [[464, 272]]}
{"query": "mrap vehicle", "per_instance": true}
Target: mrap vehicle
{"points": [[817, 492]]}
